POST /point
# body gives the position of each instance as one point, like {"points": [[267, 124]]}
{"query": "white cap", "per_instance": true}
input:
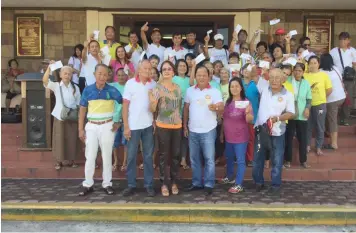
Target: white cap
{"points": [[218, 37]]}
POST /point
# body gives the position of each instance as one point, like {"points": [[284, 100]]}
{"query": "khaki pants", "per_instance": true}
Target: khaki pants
{"points": [[65, 140]]}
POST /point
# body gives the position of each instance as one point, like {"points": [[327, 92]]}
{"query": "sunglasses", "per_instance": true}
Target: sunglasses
{"points": [[167, 69]]}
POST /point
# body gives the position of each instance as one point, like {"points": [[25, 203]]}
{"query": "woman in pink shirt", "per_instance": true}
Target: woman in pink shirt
{"points": [[237, 114], [122, 62]]}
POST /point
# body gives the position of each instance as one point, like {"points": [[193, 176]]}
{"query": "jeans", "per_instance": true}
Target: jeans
{"points": [[219, 146], [301, 127], [146, 136], [278, 143], [204, 142], [237, 150], [169, 141]]}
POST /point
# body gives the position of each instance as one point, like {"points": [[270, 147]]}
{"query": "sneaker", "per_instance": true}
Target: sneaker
{"points": [[227, 181], [305, 165], [236, 189], [287, 165]]}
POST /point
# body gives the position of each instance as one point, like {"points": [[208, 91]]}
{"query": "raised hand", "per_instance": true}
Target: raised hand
{"points": [[145, 27]]}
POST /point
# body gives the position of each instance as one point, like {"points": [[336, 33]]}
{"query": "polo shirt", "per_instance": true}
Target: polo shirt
{"points": [[319, 83], [272, 105], [201, 119], [253, 95], [118, 107], [112, 48], [180, 54], [100, 103], [153, 49], [136, 93], [219, 55], [183, 84], [135, 57], [348, 57]]}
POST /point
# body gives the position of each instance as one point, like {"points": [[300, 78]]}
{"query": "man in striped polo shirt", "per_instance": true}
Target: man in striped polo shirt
{"points": [[98, 100]]}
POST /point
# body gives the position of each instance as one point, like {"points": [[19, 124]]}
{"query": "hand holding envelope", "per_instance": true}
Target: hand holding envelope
{"points": [[305, 54], [241, 104], [263, 64], [96, 34], [274, 21], [293, 33], [238, 28], [56, 65], [209, 32], [105, 50], [199, 58], [292, 61], [106, 60]]}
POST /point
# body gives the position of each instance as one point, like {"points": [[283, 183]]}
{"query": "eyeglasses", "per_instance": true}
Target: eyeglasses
{"points": [[167, 69]]}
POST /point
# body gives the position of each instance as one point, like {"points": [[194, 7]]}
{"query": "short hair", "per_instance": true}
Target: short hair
{"points": [[190, 55], [226, 69], [304, 38], [242, 31], [66, 68], [300, 65], [268, 53], [185, 62], [191, 31], [156, 30], [326, 62], [132, 32], [344, 35], [262, 43], [287, 67], [154, 56], [217, 62], [101, 65], [234, 54], [177, 34], [201, 67], [314, 57], [278, 72], [93, 41], [11, 60], [112, 27]]}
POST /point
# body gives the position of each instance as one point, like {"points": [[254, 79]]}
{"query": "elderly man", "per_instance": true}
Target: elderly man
{"points": [[276, 106], [99, 99], [202, 103], [139, 126]]}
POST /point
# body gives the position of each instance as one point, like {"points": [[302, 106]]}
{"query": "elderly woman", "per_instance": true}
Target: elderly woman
{"points": [[64, 139]]}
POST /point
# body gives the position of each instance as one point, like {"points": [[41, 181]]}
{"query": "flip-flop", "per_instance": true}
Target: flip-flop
{"points": [[123, 168], [141, 166]]}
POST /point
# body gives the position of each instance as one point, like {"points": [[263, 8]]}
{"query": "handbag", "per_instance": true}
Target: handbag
{"points": [[264, 139], [349, 72], [68, 114]]}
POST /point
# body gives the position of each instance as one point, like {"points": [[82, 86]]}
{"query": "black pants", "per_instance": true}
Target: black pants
{"points": [[219, 147], [82, 84], [302, 128], [169, 142]]}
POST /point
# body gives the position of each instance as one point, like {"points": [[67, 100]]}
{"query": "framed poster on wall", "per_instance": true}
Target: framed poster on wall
{"points": [[320, 30], [28, 34]]}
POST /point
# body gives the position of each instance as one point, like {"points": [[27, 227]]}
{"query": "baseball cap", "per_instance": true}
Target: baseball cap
{"points": [[218, 37], [280, 31]]}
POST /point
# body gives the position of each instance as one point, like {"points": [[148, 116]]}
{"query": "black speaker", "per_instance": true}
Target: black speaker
{"points": [[36, 115]]}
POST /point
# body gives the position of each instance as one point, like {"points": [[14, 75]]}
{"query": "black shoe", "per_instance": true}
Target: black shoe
{"points": [[274, 191], [259, 187], [192, 188], [109, 190], [128, 192], [150, 192], [85, 191], [208, 191]]}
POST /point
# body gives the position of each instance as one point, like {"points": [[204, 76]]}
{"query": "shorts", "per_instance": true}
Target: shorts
{"points": [[119, 138]]}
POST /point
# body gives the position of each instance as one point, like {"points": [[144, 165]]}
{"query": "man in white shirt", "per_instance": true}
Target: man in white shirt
{"points": [[349, 60], [138, 126], [175, 52], [218, 52], [276, 106], [133, 49], [155, 48], [202, 103]]}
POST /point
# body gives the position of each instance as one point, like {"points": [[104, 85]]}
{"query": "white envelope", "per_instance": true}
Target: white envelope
{"points": [[142, 55], [234, 67], [238, 28], [293, 33], [305, 54], [96, 34], [241, 104], [105, 50], [291, 61], [199, 58], [274, 21], [107, 59], [56, 65], [245, 56], [263, 64], [208, 32]]}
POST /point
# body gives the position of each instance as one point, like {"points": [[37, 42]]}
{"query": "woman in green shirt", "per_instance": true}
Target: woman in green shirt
{"points": [[302, 102]]}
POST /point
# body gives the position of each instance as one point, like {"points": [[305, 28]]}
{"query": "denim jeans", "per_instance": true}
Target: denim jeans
{"points": [[237, 150], [204, 142], [146, 135], [277, 156]]}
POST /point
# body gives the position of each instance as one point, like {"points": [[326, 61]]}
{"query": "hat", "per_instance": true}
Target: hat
{"points": [[218, 37], [280, 31], [46, 61]]}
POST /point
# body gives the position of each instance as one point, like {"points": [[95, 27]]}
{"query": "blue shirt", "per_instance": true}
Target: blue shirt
{"points": [[100, 103], [253, 96]]}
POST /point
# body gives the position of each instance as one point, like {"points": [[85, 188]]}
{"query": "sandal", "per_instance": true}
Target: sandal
{"points": [[74, 165], [185, 167], [58, 166], [85, 191], [123, 168], [114, 167], [328, 147], [154, 166], [141, 166], [175, 189], [164, 191], [319, 152]]}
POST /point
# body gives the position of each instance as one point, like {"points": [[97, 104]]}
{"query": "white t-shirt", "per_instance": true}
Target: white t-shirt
{"points": [[273, 106], [170, 52], [140, 117], [201, 119], [70, 100], [76, 63], [219, 54], [348, 57], [88, 69], [338, 92], [156, 50], [135, 57]]}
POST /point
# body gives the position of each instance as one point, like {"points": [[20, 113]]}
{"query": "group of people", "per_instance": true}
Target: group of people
{"points": [[168, 105]]}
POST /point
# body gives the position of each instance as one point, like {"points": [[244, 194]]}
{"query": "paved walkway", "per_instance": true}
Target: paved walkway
{"points": [[65, 191]]}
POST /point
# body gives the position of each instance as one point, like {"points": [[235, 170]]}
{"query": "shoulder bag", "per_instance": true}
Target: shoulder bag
{"points": [[349, 72], [68, 114]]}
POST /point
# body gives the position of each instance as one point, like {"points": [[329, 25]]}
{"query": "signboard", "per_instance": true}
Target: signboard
{"points": [[28, 36], [320, 30]]}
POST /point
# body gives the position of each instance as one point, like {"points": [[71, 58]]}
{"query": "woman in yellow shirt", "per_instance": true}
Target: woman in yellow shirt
{"points": [[321, 87]]}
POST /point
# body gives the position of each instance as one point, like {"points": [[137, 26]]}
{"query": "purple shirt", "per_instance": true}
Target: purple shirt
{"points": [[235, 125]]}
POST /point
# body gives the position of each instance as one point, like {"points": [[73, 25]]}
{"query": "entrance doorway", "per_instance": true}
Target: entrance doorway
{"points": [[169, 24]]}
